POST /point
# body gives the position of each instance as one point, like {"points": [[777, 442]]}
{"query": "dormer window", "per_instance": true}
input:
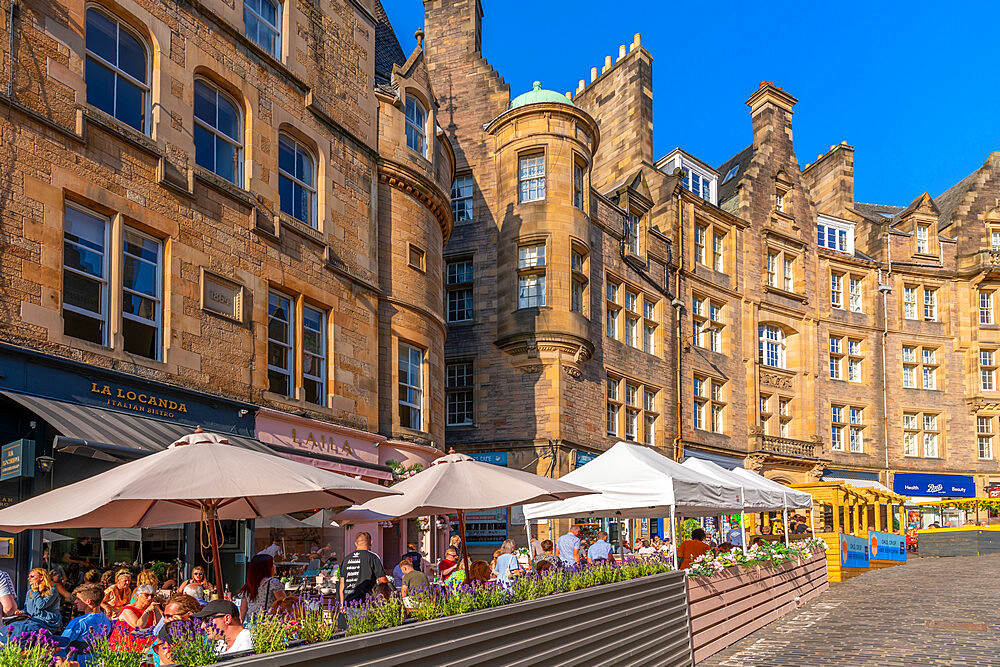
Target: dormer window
{"points": [[923, 239], [731, 174], [995, 239], [699, 178], [697, 183], [836, 235], [779, 202], [416, 122]]}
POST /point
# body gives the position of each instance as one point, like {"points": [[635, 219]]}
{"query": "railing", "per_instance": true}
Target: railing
{"points": [[786, 446]]}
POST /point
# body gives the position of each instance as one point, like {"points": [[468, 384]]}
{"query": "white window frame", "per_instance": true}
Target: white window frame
{"points": [[119, 72], [416, 125], [771, 345], [459, 284], [103, 280], [923, 239], [910, 302], [837, 290], [273, 28], [413, 369], [157, 298], [930, 305], [531, 177], [321, 357], [855, 295], [288, 345], [218, 134], [299, 148], [462, 207], [842, 235], [986, 307]]}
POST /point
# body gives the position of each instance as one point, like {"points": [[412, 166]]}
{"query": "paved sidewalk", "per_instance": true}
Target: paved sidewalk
{"points": [[931, 611]]}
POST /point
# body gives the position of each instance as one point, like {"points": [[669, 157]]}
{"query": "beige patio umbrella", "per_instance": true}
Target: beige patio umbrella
{"points": [[457, 483], [198, 478]]}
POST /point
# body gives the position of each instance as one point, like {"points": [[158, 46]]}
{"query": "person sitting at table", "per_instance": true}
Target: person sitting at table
{"points": [[646, 549], [197, 586], [117, 595], [757, 541], [41, 606], [725, 548], [92, 621], [691, 549], [547, 556], [447, 564], [262, 589], [456, 574], [479, 572], [145, 578], [143, 614]]}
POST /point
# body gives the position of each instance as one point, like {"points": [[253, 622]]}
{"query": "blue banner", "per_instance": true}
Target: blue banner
{"points": [[853, 551], [948, 486], [583, 457], [886, 546], [496, 458]]}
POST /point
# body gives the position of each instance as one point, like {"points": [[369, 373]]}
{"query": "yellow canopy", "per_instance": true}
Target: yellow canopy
{"points": [[964, 503]]}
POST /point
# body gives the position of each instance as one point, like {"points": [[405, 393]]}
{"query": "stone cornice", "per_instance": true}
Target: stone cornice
{"points": [[422, 189]]}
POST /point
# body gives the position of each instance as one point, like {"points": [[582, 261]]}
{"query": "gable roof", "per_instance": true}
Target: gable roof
{"points": [[916, 204], [388, 52], [742, 159], [876, 212], [950, 199]]}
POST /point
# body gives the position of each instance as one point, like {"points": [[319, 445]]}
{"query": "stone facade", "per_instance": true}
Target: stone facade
{"points": [[723, 265], [232, 265]]}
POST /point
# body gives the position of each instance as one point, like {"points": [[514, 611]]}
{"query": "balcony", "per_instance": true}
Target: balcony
{"points": [[784, 446]]}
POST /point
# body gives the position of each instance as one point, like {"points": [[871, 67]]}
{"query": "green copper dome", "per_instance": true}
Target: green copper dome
{"points": [[537, 95]]}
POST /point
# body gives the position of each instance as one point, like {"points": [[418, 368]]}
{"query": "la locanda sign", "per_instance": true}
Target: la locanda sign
{"points": [[126, 399]]}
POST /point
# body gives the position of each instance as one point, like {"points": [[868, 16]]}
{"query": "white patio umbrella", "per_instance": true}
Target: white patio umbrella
{"points": [[457, 483], [197, 478]]}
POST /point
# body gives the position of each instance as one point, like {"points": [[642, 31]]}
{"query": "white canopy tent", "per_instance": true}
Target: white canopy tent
{"points": [[793, 499], [638, 482], [754, 495]]}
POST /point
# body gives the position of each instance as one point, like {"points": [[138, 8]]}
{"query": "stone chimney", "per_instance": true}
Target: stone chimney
{"points": [[771, 112]]}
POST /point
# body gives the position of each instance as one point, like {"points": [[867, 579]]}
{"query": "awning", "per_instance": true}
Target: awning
{"points": [[101, 430], [860, 483], [723, 460]]}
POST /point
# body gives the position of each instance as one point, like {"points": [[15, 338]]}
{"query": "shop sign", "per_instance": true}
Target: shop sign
{"points": [[496, 458], [313, 436], [17, 459], [993, 492], [947, 486], [886, 546], [853, 551], [487, 527], [584, 457], [123, 398]]}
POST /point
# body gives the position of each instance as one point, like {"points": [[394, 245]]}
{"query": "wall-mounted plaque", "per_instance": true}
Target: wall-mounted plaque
{"points": [[221, 296]]}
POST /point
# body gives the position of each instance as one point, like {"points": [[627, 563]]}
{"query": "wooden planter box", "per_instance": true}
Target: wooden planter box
{"points": [[729, 606], [639, 622]]}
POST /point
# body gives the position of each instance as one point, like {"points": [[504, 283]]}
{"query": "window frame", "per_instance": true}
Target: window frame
{"points": [[310, 188], [418, 389], [146, 86], [157, 322], [323, 357], [217, 134], [459, 286], [418, 128], [465, 209], [104, 280], [466, 391], [531, 273], [531, 177], [289, 345], [271, 27], [778, 342]]}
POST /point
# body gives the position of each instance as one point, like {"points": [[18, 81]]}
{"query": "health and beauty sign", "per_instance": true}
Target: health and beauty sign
{"points": [[947, 486], [853, 551], [886, 546]]}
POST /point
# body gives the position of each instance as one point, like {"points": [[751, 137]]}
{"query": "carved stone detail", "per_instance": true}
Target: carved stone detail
{"points": [[530, 368], [815, 473], [573, 371], [755, 462], [775, 380]]}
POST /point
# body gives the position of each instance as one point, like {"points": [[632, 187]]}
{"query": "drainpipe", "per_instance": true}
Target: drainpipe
{"points": [[678, 304], [885, 288], [10, 50]]}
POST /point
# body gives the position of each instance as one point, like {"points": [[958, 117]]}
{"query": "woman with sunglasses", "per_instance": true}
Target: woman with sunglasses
{"points": [[144, 613], [197, 586], [41, 606]]}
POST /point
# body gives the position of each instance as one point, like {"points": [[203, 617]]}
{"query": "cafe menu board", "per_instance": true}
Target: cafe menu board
{"points": [[853, 551]]}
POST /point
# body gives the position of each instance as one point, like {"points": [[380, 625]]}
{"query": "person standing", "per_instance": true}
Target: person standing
{"points": [[691, 549], [568, 546], [261, 589], [359, 572], [507, 564], [735, 535], [601, 550], [271, 550], [535, 548], [414, 555]]}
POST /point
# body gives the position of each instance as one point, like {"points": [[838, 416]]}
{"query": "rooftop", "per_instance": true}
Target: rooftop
{"points": [[537, 95]]}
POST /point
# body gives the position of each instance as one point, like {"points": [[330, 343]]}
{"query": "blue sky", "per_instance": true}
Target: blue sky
{"points": [[911, 85]]}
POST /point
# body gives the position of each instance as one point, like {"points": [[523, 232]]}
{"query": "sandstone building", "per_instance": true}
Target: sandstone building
{"points": [[230, 213], [752, 313]]}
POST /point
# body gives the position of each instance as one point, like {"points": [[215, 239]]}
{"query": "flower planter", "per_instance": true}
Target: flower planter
{"points": [[625, 623], [729, 606]]}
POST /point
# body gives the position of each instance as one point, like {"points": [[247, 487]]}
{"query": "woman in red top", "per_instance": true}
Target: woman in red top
{"points": [[144, 613]]}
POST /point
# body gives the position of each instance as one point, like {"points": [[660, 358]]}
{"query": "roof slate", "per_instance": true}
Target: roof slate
{"points": [[950, 199], [728, 189], [388, 52]]}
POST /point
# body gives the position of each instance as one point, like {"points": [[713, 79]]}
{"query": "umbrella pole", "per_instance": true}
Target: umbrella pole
{"points": [[212, 518], [465, 548], [784, 514]]}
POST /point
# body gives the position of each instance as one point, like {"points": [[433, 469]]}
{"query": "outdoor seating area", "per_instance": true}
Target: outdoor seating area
{"points": [[289, 601]]}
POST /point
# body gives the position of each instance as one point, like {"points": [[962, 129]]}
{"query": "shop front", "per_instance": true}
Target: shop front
{"points": [[63, 421], [360, 454], [926, 487]]}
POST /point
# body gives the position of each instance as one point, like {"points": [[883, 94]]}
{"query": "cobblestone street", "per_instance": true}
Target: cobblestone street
{"points": [[932, 611]]}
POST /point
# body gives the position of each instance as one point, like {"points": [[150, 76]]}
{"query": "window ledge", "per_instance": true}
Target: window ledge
{"points": [[296, 403], [462, 323], [302, 229], [126, 132], [221, 185], [786, 294]]}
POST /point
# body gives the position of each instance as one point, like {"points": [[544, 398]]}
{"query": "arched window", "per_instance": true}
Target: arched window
{"points": [[416, 123], [262, 21], [218, 132], [771, 345], [116, 71], [296, 180]]}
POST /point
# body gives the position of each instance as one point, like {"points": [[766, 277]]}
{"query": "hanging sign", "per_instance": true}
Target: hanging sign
{"points": [[17, 459]]}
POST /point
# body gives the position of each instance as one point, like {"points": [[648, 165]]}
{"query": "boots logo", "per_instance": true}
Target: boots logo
{"points": [[935, 488]]}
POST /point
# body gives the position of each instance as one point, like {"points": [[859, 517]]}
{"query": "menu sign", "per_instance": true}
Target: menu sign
{"points": [[17, 459]]}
